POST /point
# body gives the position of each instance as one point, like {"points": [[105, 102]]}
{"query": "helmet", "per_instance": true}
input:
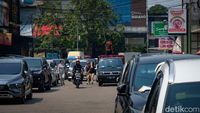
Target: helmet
{"points": [[77, 60]]}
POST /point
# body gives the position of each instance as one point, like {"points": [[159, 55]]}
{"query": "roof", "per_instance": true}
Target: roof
{"points": [[10, 60], [33, 58], [157, 58], [187, 71]]}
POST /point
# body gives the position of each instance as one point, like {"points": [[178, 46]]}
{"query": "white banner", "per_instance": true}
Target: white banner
{"points": [[177, 21]]}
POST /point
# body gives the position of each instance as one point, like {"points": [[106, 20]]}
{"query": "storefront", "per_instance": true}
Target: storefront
{"points": [[195, 26], [9, 27]]}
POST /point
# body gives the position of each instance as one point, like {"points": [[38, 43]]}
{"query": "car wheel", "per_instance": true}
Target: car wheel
{"points": [[48, 87], [100, 83], [29, 96], [41, 88], [55, 83], [115, 106], [21, 100]]}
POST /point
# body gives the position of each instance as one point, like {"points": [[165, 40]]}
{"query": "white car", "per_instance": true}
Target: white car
{"points": [[176, 88]]}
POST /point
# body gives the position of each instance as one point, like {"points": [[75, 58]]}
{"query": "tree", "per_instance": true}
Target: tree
{"points": [[89, 19], [95, 17], [158, 9]]}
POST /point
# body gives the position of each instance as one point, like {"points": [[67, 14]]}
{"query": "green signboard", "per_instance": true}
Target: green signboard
{"points": [[159, 29]]}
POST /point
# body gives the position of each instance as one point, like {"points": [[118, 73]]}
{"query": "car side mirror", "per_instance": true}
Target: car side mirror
{"points": [[121, 89], [26, 72], [144, 89], [118, 79]]}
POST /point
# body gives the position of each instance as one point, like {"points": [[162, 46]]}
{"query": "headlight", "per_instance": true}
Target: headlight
{"points": [[100, 73], [15, 87]]}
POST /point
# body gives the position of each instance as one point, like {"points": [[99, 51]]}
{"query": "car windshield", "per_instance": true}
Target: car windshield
{"points": [[104, 63], [10, 68], [184, 95], [56, 61], [74, 63], [144, 75], [34, 63]]}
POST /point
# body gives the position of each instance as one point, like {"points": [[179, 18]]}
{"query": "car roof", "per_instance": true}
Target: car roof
{"points": [[32, 58], [157, 58], [187, 71], [10, 60]]}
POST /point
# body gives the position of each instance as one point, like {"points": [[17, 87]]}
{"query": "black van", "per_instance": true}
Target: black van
{"points": [[108, 70]]}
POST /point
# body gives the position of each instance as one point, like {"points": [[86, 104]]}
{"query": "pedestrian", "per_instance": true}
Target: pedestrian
{"points": [[91, 73], [61, 72], [86, 69]]}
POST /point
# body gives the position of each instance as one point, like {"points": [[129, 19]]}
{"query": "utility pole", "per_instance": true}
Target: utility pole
{"points": [[77, 35], [188, 27]]}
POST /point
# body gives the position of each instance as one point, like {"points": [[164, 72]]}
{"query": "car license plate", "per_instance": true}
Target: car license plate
{"points": [[111, 77]]}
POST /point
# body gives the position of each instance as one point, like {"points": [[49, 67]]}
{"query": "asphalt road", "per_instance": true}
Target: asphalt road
{"points": [[66, 99]]}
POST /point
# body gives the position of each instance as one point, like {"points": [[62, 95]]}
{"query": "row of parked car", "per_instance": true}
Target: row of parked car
{"points": [[159, 83], [19, 75]]}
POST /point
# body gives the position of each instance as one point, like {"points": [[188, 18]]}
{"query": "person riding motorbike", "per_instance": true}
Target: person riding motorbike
{"points": [[78, 68]]}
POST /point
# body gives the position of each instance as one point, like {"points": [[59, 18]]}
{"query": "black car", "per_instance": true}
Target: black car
{"points": [[138, 76], [40, 72], [15, 80], [108, 70]]}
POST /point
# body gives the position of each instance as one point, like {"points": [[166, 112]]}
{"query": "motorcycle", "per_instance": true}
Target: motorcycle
{"points": [[77, 79]]}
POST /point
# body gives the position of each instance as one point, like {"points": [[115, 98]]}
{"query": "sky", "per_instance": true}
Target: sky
{"points": [[167, 3]]}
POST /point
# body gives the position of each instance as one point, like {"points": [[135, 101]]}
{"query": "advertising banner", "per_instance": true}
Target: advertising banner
{"points": [[138, 12], [8, 39], [39, 31], [177, 21], [159, 29], [166, 43], [1, 38]]}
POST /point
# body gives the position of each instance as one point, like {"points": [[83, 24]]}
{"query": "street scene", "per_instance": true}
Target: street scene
{"points": [[99, 56]]}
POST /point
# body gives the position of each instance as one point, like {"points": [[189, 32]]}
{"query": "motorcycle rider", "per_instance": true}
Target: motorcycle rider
{"points": [[79, 68]]}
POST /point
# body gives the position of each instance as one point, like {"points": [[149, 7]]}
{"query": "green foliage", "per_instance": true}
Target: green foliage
{"points": [[158, 9], [91, 19]]}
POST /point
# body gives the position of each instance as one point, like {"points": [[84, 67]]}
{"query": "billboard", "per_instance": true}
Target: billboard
{"points": [[177, 21], [138, 13], [6, 39], [166, 43], [159, 29], [39, 31]]}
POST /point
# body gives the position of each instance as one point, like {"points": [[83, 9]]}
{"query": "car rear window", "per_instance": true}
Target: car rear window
{"points": [[10, 68], [115, 62], [34, 63]]}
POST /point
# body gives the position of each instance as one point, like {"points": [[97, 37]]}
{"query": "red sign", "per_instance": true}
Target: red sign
{"points": [[46, 30], [177, 21], [166, 43], [6, 39]]}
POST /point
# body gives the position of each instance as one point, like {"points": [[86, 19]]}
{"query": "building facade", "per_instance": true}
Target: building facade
{"points": [[132, 14], [9, 27], [194, 27]]}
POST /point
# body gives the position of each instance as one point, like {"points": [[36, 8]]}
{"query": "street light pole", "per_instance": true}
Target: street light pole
{"points": [[77, 37]]}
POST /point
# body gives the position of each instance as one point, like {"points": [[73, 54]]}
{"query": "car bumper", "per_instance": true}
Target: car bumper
{"points": [[108, 78], [10, 94], [37, 81]]}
